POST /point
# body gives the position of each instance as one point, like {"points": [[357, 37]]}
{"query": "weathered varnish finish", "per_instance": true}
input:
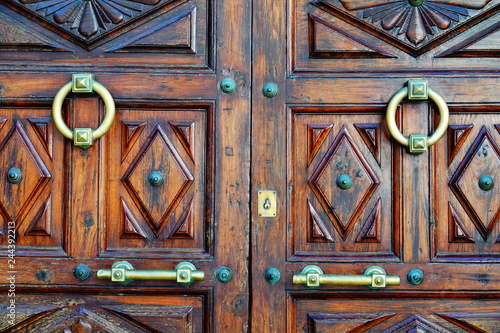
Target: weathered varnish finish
{"points": [[162, 61], [336, 64]]}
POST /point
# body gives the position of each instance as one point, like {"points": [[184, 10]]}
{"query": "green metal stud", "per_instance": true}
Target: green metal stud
{"points": [[82, 272], [344, 182], [224, 274], [14, 175], [416, 3], [156, 178], [486, 183], [270, 90], [228, 85], [415, 276], [273, 275]]}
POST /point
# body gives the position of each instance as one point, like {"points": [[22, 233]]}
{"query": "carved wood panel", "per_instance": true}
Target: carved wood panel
{"points": [[113, 314], [91, 20], [173, 216], [328, 220], [34, 205], [173, 33], [393, 315], [400, 34], [157, 58], [466, 224]]}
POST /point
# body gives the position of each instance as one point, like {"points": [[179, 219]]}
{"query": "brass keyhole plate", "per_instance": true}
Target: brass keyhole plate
{"points": [[267, 203]]}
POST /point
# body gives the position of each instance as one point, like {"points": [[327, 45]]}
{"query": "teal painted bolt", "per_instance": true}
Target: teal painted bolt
{"points": [[486, 183], [415, 276], [14, 175], [82, 272], [224, 274], [228, 85], [270, 90], [273, 275], [156, 179], [344, 182]]}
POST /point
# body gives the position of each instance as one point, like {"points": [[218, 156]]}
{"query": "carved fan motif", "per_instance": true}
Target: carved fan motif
{"points": [[413, 24], [417, 19], [90, 19]]}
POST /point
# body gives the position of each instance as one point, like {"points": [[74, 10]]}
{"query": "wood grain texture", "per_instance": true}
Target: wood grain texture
{"points": [[472, 212], [269, 163], [173, 217], [345, 217], [158, 59], [173, 34], [328, 37], [233, 161], [85, 205], [130, 313], [336, 64], [327, 90], [390, 315], [38, 200]]}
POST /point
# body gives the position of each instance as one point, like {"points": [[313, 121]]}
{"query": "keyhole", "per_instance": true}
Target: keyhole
{"points": [[267, 204]]}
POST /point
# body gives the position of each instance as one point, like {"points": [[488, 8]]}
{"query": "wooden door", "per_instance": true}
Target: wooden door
{"points": [[336, 64], [163, 62]]}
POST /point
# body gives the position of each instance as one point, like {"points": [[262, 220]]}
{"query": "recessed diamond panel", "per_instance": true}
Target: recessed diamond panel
{"points": [[17, 151], [483, 207], [157, 203], [343, 206]]}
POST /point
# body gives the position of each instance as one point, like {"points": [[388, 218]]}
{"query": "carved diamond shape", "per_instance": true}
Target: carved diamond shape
{"points": [[416, 324], [17, 151], [345, 321], [158, 203], [90, 20], [157, 318], [79, 319], [474, 321], [483, 207], [343, 206]]}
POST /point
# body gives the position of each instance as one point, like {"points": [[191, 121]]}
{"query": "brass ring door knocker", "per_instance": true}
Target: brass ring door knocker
{"points": [[417, 90], [83, 83]]}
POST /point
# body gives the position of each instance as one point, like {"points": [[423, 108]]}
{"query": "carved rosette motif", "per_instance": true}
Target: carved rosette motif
{"points": [[89, 18], [416, 19]]}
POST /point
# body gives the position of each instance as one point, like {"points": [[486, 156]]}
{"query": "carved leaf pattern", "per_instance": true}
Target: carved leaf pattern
{"points": [[416, 19], [90, 17]]}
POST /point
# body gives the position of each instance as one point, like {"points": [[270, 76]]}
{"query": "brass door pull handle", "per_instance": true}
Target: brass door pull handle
{"points": [[417, 90], [123, 272], [374, 277], [83, 83]]}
